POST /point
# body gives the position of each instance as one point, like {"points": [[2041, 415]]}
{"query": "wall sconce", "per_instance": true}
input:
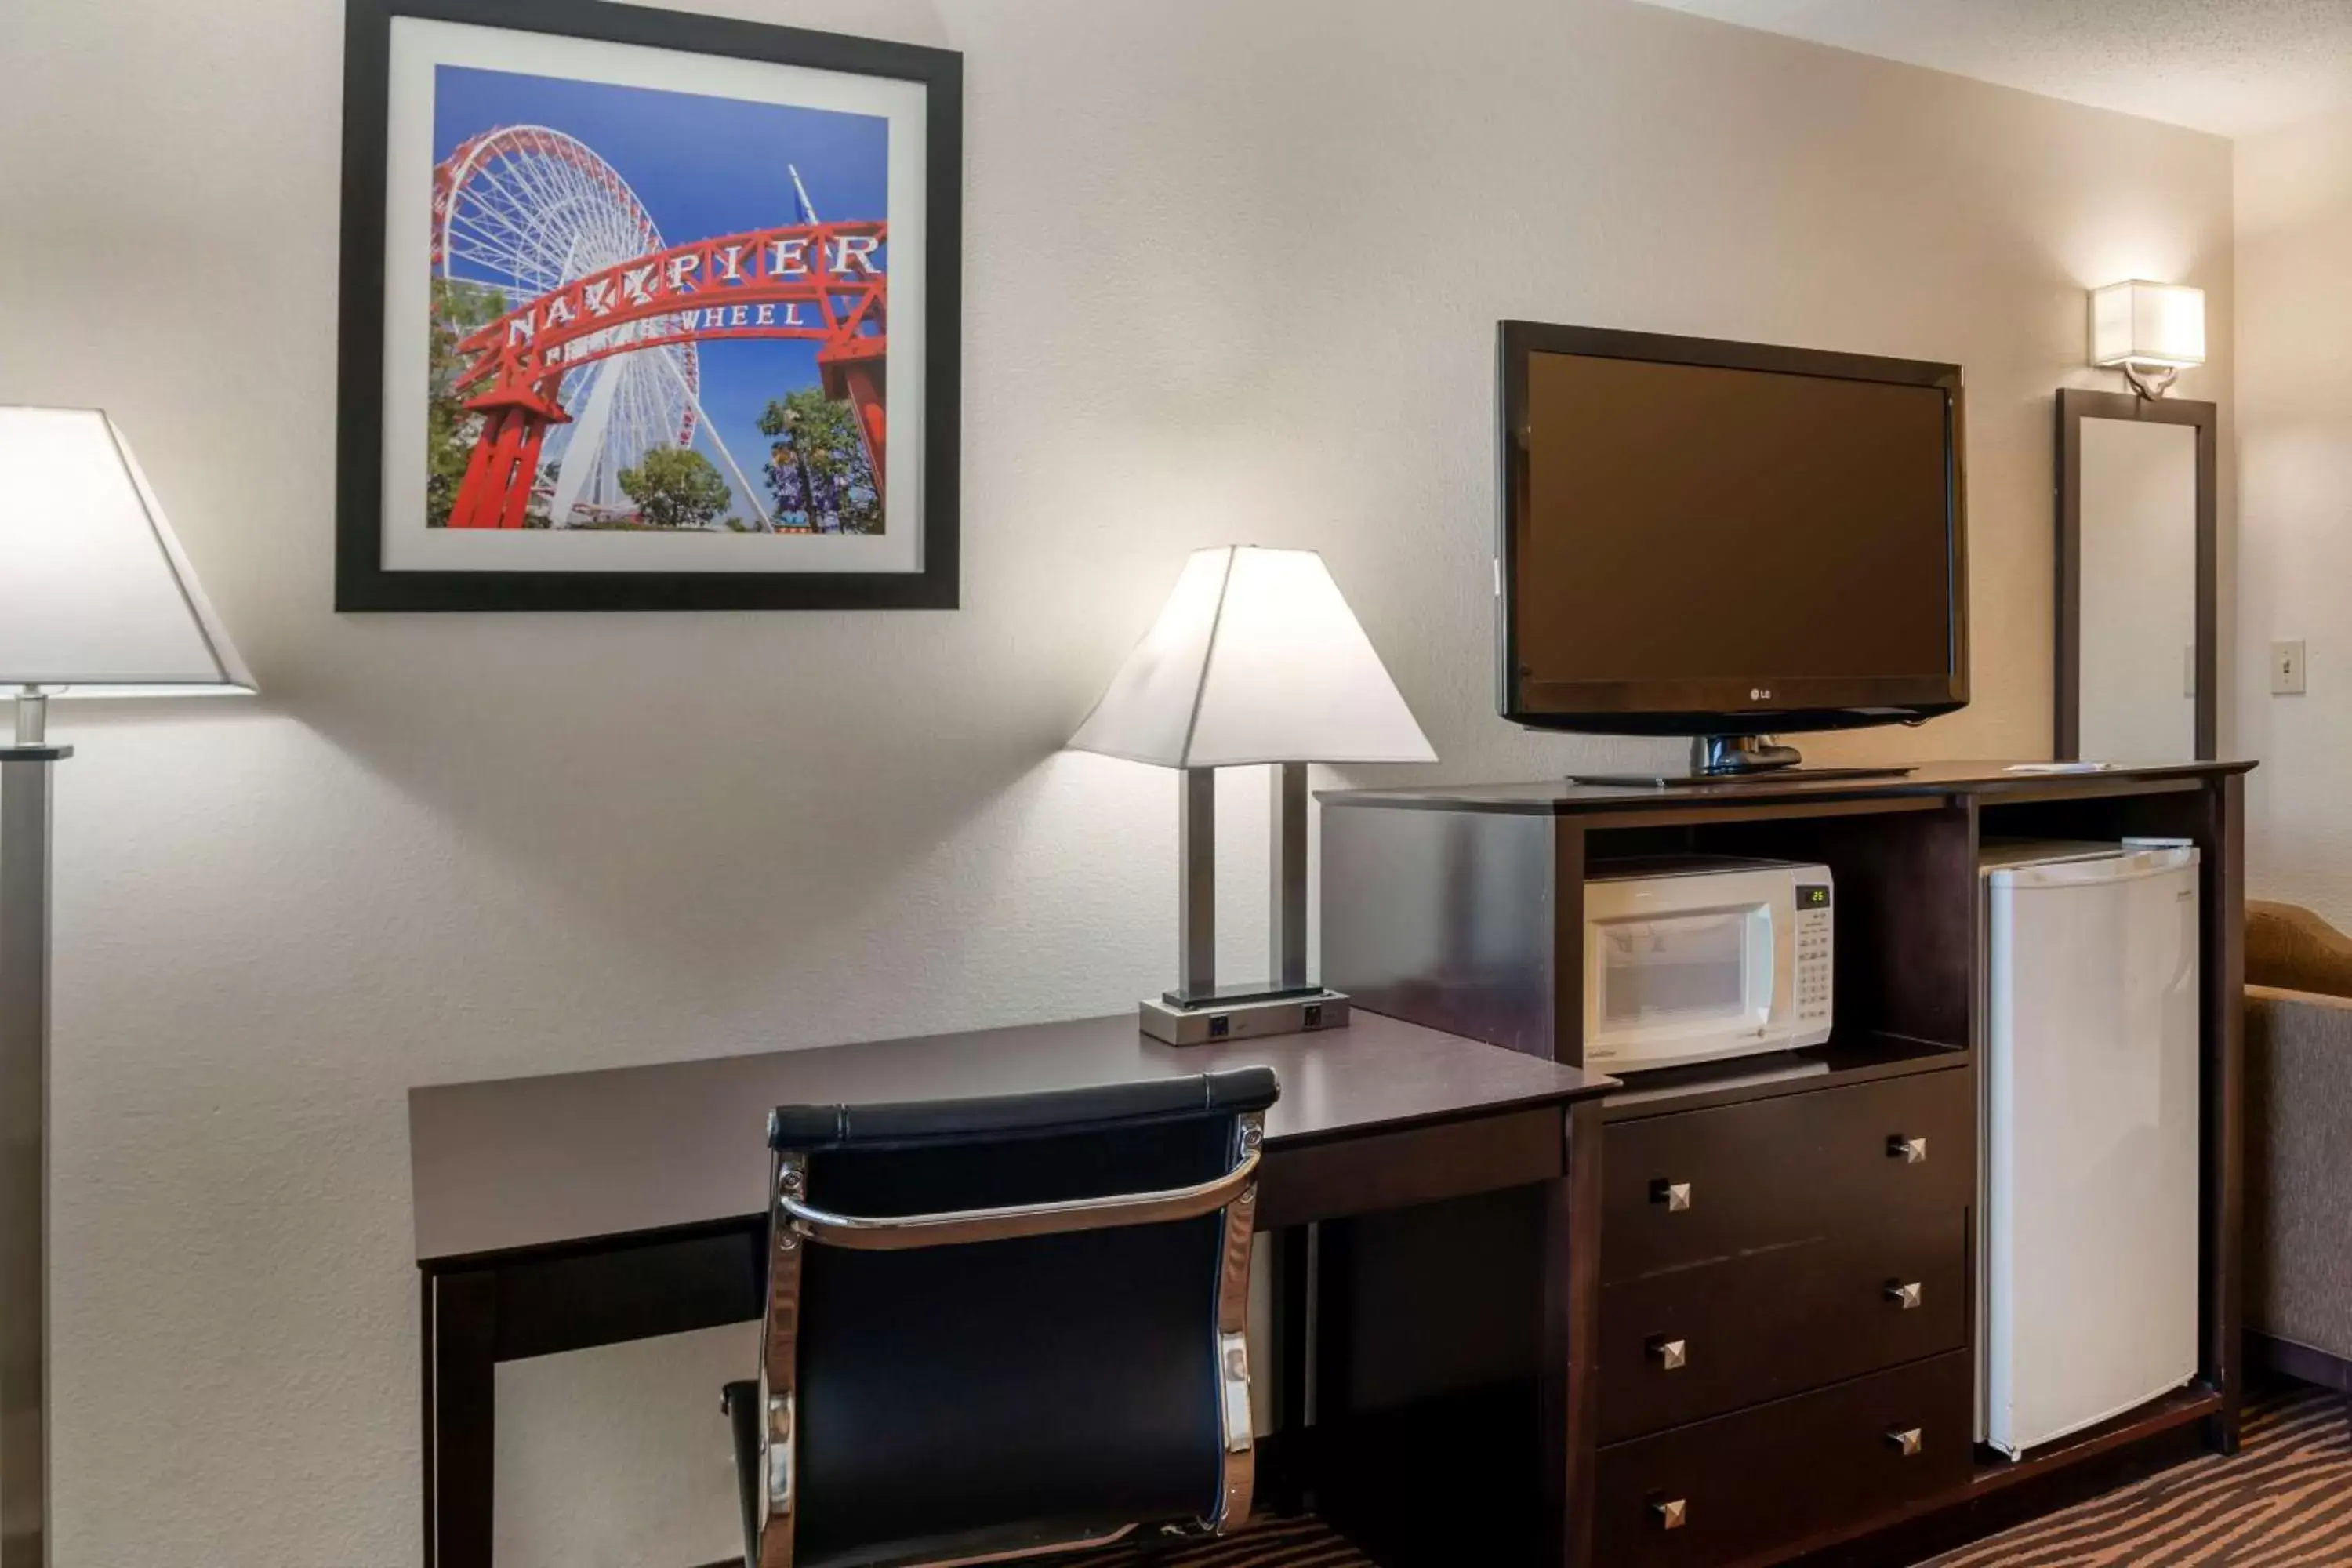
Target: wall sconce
{"points": [[2150, 331]]}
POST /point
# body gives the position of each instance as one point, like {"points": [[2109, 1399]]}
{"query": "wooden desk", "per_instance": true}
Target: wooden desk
{"points": [[559, 1213]]}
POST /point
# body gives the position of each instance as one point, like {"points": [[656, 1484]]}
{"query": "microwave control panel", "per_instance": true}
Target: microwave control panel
{"points": [[1815, 960]]}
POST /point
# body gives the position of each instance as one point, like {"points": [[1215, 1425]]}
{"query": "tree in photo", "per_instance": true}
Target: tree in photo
{"points": [[542, 494], [817, 470], [676, 487], [450, 428]]}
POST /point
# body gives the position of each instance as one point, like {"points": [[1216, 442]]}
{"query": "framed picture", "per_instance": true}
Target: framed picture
{"points": [[644, 310]]}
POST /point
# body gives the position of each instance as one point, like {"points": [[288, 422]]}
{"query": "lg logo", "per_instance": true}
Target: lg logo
{"points": [[1759, 694]]}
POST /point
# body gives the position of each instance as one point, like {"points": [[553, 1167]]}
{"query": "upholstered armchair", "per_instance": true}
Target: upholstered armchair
{"points": [[2299, 1142]]}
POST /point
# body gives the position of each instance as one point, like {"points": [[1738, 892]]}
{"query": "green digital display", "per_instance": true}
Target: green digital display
{"points": [[1813, 896]]}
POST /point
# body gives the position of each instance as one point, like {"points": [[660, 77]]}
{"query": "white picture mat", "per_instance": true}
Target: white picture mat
{"points": [[418, 46]]}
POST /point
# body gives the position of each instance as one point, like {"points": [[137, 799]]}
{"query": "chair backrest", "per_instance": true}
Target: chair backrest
{"points": [[2292, 949], [1005, 1325]]}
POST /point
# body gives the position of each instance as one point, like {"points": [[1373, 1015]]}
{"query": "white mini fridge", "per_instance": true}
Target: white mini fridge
{"points": [[2088, 1228]]}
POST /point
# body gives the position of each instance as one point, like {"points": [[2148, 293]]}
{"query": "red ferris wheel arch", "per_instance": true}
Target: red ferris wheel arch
{"points": [[821, 282]]}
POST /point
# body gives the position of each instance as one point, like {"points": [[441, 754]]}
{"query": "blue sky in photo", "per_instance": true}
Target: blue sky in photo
{"points": [[701, 166]]}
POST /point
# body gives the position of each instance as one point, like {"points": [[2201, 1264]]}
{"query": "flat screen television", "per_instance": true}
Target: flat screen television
{"points": [[1727, 540]]}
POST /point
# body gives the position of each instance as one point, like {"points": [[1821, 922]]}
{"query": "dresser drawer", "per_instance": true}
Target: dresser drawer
{"points": [[1700, 1186], [1741, 1486], [1688, 1343]]}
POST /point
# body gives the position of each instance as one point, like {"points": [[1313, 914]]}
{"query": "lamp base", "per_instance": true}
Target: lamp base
{"points": [[1252, 1016]]}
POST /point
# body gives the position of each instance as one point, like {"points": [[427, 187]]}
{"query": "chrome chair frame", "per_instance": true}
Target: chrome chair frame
{"points": [[794, 1224]]}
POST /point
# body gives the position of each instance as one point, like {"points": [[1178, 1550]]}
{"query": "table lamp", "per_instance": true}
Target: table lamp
{"points": [[1255, 659], [94, 598]]}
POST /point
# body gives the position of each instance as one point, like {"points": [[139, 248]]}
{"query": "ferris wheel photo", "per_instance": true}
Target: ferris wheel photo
{"points": [[643, 321], [659, 321]]}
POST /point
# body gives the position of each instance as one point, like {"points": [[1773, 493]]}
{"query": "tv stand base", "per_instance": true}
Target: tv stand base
{"points": [[1736, 759]]}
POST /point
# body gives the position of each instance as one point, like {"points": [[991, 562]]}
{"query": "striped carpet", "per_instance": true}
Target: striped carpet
{"points": [[1268, 1543], [2283, 1501]]}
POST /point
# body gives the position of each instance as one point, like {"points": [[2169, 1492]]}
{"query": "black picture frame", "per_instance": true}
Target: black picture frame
{"points": [[2076, 404], [361, 581]]}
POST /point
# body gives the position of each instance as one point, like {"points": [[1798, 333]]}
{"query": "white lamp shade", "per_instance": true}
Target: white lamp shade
{"points": [[1254, 658], [95, 594], [2140, 323]]}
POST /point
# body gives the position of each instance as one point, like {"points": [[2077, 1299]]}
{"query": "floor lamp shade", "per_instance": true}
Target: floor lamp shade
{"points": [[95, 594], [1254, 658]]}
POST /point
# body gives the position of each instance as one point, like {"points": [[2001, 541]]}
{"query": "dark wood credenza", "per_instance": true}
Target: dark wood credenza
{"points": [[1750, 1382]]}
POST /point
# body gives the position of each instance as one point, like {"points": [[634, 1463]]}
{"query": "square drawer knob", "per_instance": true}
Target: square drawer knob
{"points": [[1910, 1151], [1906, 1294], [1676, 1195], [1671, 1354], [1904, 1440], [1672, 1513]]}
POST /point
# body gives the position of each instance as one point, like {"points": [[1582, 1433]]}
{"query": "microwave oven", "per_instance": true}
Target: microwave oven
{"points": [[1692, 958]]}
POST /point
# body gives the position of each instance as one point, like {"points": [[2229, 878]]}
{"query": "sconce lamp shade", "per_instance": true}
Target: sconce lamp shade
{"points": [[1254, 658], [2144, 323], [95, 595]]}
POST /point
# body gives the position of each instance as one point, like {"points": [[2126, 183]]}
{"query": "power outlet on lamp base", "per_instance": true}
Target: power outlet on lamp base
{"points": [[2286, 669]]}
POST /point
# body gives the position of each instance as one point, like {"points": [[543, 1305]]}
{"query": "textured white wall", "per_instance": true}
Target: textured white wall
{"points": [[1232, 272], [2294, 457]]}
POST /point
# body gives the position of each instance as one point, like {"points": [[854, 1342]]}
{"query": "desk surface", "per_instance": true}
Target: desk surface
{"points": [[526, 1162]]}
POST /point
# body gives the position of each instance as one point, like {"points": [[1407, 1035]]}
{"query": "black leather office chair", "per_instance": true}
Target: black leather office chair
{"points": [[1000, 1327]]}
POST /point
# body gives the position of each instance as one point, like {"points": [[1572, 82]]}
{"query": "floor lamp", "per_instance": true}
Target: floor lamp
{"points": [[94, 598]]}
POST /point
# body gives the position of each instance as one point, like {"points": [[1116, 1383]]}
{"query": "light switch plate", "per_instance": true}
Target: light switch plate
{"points": [[2287, 669]]}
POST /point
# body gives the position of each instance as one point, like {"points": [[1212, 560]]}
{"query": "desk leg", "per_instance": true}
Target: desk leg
{"points": [[460, 1341], [1284, 1459], [1571, 1341], [567, 1299]]}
